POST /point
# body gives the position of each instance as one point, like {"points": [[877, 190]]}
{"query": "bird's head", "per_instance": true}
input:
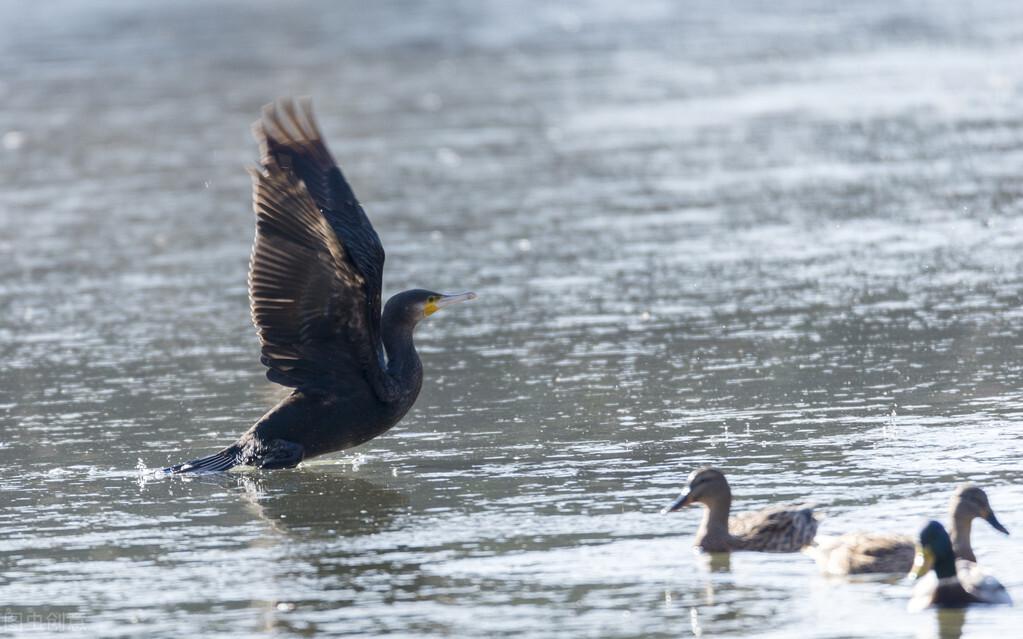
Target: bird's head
{"points": [[971, 501], [933, 550], [411, 307], [704, 486]]}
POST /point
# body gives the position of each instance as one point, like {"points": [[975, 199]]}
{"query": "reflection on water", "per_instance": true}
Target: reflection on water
{"points": [[784, 239], [950, 623], [716, 561], [320, 503]]}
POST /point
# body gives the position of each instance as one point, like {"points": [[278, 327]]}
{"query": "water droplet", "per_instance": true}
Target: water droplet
{"points": [[13, 140], [448, 157]]}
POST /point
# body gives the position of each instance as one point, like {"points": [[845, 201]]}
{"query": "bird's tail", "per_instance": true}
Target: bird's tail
{"points": [[216, 463]]}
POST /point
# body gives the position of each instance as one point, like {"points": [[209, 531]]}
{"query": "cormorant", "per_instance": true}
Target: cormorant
{"points": [[314, 286]]}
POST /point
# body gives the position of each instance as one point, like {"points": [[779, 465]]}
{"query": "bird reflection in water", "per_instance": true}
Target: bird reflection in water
{"points": [[715, 561], [319, 519], [333, 504], [950, 623]]}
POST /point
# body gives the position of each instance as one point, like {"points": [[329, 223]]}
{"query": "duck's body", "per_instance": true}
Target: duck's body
{"points": [[315, 279], [861, 553], [949, 585], [941, 593], [776, 529]]}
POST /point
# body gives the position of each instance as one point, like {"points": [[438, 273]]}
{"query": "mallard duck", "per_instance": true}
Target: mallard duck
{"points": [[967, 503], [865, 553], [953, 588], [778, 529]]}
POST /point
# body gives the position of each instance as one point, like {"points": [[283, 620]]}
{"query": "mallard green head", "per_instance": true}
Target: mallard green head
{"points": [[970, 501], [934, 550]]}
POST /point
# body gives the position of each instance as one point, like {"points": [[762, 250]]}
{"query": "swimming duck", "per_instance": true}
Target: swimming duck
{"points": [[866, 553], [778, 529], [952, 588]]}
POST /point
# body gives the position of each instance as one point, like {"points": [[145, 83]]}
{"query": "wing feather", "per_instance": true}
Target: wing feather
{"points": [[305, 295], [290, 139]]}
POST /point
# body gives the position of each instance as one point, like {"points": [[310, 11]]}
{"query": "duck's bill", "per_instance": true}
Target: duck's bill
{"points": [[448, 300], [922, 563], [680, 503], [997, 525]]}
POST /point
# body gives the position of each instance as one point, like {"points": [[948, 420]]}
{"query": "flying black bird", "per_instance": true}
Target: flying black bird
{"points": [[314, 287]]}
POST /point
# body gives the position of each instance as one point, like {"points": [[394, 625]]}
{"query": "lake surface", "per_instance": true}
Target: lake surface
{"points": [[783, 238]]}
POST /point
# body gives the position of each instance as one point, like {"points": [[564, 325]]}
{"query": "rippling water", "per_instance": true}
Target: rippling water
{"points": [[783, 238]]}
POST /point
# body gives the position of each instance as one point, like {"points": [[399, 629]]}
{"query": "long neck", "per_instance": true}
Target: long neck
{"points": [[959, 531], [713, 533], [402, 359]]}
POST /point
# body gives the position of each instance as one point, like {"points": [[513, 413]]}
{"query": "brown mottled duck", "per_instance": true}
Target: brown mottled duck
{"points": [[949, 587], [315, 279], [777, 529], [874, 553]]}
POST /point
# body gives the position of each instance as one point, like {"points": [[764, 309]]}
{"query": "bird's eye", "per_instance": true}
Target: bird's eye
{"points": [[433, 299]]}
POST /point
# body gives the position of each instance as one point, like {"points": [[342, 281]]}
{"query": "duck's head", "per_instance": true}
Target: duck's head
{"points": [[970, 501], [934, 550], [705, 485]]}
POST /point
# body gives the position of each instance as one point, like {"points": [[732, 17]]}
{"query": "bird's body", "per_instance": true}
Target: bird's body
{"points": [[315, 279], [776, 529], [861, 553], [942, 593], [949, 585], [317, 425]]}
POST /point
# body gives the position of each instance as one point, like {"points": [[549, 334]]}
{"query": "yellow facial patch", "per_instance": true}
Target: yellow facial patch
{"points": [[922, 563], [430, 308]]}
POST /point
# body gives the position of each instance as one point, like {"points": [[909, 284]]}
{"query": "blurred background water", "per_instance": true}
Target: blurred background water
{"points": [[784, 238]]}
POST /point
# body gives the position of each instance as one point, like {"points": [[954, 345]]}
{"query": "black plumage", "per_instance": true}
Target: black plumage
{"points": [[315, 282]]}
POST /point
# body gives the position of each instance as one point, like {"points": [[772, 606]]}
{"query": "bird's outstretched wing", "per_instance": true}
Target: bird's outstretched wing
{"points": [[289, 137], [308, 298]]}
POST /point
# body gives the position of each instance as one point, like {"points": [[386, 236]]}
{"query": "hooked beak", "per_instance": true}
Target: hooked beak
{"points": [[683, 500], [922, 563], [997, 525], [447, 300]]}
